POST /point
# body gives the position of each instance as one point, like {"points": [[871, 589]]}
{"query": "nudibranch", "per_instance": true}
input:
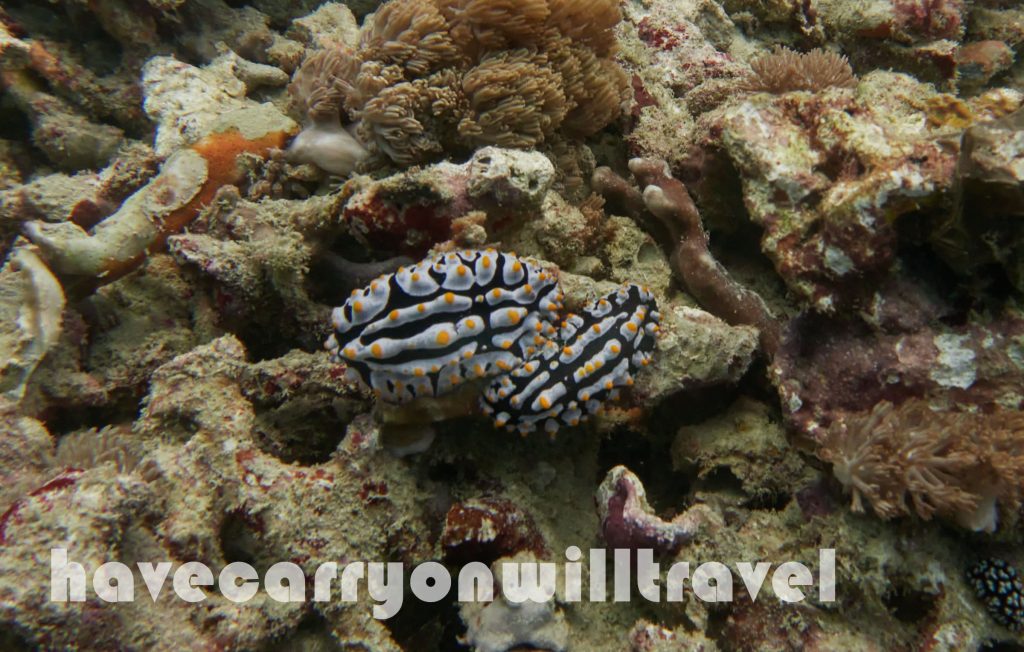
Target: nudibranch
{"points": [[426, 329], [597, 353]]}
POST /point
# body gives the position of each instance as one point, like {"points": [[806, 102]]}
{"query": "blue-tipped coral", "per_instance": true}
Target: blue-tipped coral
{"points": [[598, 352], [460, 316]]}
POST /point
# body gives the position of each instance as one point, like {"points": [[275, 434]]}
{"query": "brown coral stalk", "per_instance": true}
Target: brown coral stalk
{"points": [[667, 200]]}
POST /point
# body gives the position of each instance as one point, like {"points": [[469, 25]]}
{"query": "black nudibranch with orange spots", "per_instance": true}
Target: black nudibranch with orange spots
{"points": [[475, 315], [597, 353]]}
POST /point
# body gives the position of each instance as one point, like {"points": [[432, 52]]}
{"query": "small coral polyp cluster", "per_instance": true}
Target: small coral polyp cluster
{"points": [[431, 78], [425, 330]]}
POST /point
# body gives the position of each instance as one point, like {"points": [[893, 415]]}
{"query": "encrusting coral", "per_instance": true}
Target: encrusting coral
{"points": [[912, 459], [429, 79]]}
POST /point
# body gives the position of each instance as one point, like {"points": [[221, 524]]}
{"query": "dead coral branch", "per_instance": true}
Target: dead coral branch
{"points": [[667, 200]]}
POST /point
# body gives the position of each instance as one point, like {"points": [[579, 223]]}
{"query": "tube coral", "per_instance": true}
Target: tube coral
{"points": [[667, 200]]}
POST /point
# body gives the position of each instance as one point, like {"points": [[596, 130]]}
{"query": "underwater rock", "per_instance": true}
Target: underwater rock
{"points": [[987, 226], [84, 198], [978, 62], [258, 254], [26, 453], [212, 388], [827, 368], [827, 176], [749, 441], [332, 24], [627, 521], [410, 212], [31, 304], [486, 529], [649, 637], [69, 139], [187, 181], [695, 348], [502, 626]]}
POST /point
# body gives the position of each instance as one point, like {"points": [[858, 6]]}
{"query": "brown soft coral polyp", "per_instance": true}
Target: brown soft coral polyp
{"points": [[912, 458], [433, 77]]}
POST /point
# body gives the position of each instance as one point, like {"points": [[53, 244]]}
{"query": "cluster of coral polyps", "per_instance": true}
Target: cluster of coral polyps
{"points": [[431, 78]]}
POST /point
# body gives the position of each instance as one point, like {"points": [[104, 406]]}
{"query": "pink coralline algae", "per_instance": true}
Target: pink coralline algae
{"points": [[628, 521], [827, 368]]}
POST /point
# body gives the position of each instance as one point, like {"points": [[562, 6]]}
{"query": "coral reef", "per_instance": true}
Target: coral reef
{"points": [[667, 200], [412, 212], [32, 302], [984, 229], [503, 625], [827, 369], [487, 529], [788, 232], [206, 139], [785, 71], [627, 520]]}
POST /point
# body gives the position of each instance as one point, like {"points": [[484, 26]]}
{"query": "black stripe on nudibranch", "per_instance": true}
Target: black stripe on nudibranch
{"points": [[459, 316], [594, 355]]}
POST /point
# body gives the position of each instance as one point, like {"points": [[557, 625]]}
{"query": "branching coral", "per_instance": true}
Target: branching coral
{"points": [[667, 200], [913, 459], [786, 70], [431, 78]]}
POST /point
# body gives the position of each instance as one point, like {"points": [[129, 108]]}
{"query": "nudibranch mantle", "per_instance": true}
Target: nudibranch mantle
{"points": [[448, 319], [597, 353]]}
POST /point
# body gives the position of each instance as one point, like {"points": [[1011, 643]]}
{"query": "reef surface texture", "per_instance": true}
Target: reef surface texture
{"points": [[472, 282]]}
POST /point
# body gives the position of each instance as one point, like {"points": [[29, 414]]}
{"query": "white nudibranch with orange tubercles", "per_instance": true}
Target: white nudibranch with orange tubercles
{"points": [[458, 316], [595, 354]]}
